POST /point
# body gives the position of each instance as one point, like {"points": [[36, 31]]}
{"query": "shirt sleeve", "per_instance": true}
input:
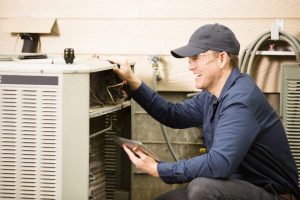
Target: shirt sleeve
{"points": [[234, 134], [181, 115]]}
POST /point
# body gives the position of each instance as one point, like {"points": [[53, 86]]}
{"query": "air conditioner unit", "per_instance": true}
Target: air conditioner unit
{"points": [[44, 129], [290, 108]]}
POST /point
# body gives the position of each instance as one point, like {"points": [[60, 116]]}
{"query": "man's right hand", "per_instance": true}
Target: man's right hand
{"points": [[125, 72]]}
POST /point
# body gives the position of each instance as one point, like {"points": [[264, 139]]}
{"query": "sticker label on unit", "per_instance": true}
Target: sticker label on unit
{"points": [[28, 80]]}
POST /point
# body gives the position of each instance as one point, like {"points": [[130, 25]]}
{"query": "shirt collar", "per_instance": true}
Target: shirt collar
{"points": [[235, 74]]}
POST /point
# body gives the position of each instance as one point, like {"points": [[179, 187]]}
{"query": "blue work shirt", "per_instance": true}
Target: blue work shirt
{"points": [[244, 136]]}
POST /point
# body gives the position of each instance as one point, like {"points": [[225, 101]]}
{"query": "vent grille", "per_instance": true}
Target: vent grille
{"points": [[29, 143], [292, 119], [111, 159], [97, 169]]}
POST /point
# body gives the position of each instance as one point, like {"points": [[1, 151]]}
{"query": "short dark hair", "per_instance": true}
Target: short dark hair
{"points": [[234, 60]]}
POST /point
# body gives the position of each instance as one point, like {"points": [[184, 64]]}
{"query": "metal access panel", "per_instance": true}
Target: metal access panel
{"points": [[290, 108], [54, 139], [44, 126], [29, 116]]}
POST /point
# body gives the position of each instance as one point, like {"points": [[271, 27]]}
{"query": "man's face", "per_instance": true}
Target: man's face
{"points": [[206, 69]]}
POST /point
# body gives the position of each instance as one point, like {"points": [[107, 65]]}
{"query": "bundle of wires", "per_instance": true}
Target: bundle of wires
{"points": [[248, 55], [106, 89]]}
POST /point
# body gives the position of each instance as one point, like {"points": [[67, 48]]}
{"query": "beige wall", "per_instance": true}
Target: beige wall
{"points": [[139, 28]]}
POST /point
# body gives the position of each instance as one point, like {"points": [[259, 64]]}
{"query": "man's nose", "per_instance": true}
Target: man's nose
{"points": [[191, 65]]}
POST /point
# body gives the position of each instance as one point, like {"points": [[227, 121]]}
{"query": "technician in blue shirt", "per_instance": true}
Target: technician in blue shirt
{"points": [[248, 153]]}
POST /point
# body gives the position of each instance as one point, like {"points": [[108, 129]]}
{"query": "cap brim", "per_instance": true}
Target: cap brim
{"points": [[186, 51]]}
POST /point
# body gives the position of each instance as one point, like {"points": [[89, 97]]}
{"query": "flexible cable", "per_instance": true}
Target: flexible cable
{"points": [[169, 145], [248, 55]]}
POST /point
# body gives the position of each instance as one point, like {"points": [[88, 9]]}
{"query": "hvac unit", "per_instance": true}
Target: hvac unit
{"points": [[54, 132], [290, 108]]}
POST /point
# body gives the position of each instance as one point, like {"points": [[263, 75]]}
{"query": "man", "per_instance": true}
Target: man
{"points": [[248, 153]]}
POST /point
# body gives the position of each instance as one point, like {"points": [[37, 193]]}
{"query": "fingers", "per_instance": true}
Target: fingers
{"points": [[131, 155], [116, 70], [142, 161], [128, 151], [136, 148], [140, 153], [136, 156], [121, 60]]}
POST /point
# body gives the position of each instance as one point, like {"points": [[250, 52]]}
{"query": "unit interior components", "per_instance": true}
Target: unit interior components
{"points": [[97, 177], [107, 160], [290, 108], [106, 88], [117, 164], [46, 124]]}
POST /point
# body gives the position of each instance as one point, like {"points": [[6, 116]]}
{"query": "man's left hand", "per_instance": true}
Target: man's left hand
{"points": [[142, 161]]}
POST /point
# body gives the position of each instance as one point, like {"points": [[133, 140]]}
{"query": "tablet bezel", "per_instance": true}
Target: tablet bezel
{"points": [[132, 144]]}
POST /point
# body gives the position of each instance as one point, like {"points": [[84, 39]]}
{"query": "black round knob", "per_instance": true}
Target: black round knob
{"points": [[69, 55]]}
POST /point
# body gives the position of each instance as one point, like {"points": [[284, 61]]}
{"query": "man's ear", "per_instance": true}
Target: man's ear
{"points": [[223, 59]]}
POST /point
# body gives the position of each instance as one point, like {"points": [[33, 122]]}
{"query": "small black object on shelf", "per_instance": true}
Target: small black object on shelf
{"points": [[31, 41], [69, 55]]}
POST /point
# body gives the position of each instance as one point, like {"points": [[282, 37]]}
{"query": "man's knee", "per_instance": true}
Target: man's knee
{"points": [[201, 188]]}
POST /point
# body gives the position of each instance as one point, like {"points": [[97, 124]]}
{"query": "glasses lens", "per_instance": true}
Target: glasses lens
{"points": [[203, 59]]}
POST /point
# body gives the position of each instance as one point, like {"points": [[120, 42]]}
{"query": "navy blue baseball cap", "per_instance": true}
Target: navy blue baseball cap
{"points": [[214, 37]]}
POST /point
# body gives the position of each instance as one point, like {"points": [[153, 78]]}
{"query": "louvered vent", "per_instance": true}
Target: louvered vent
{"points": [[293, 119], [97, 169], [291, 108], [111, 159], [29, 142]]}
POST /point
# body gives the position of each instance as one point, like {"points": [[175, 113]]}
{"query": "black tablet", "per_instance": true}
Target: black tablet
{"points": [[131, 144]]}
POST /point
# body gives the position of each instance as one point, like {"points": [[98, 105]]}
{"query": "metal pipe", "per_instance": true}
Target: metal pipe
{"points": [[102, 131], [112, 86], [155, 78]]}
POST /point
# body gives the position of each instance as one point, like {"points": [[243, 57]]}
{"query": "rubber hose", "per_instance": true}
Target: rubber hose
{"points": [[253, 53], [293, 39], [294, 47], [285, 37], [248, 52], [169, 145]]}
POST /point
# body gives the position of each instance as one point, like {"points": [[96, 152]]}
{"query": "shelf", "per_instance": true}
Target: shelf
{"points": [[98, 111], [275, 53]]}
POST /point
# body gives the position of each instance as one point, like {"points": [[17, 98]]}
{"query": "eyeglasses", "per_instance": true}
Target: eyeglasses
{"points": [[202, 58]]}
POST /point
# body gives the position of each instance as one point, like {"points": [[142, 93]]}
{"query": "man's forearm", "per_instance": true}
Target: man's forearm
{"points": [[134, 83]]}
